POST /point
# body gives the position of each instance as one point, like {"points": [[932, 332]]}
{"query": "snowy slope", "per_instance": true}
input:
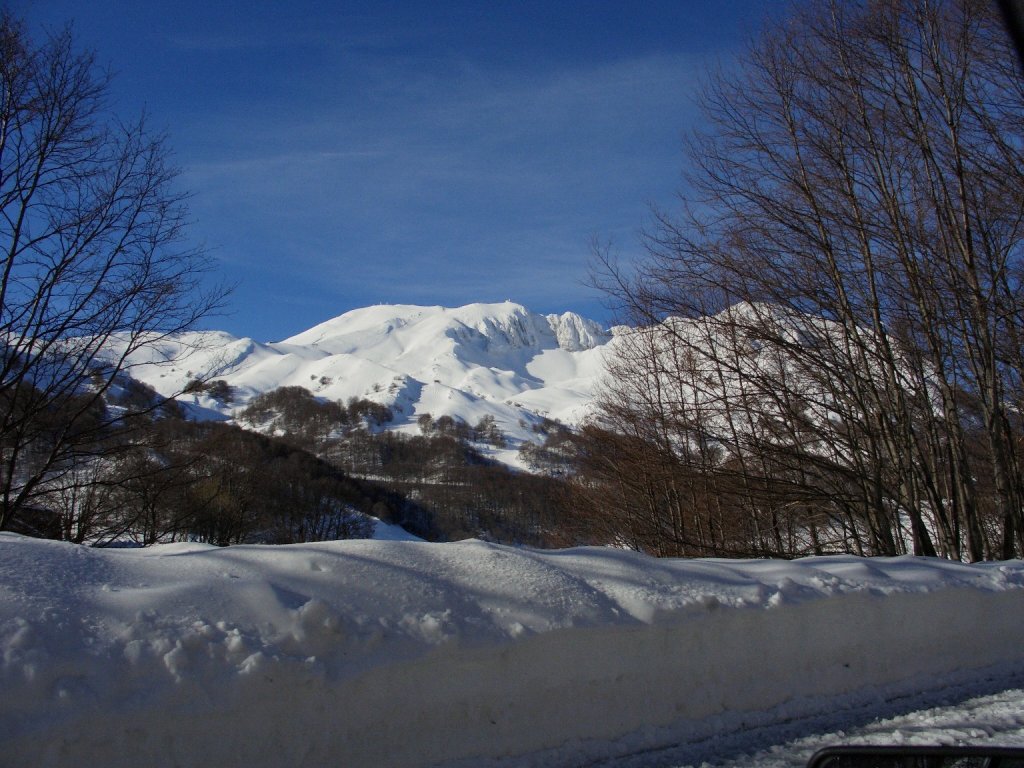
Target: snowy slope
{"points": [[378, 653], [468, 362]]}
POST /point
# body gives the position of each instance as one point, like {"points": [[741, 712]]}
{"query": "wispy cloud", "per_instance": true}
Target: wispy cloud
{"points": [[215, 42], [446, 185]]}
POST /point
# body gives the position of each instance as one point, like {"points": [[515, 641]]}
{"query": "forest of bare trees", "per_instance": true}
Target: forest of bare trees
{"points": [[830, 356], [453, 490]]}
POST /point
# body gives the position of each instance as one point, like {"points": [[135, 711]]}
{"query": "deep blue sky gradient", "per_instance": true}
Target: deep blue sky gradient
{"points": [[342, 154]]}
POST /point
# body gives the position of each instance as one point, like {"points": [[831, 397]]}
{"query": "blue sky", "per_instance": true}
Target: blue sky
{"points": [[342, 154]]}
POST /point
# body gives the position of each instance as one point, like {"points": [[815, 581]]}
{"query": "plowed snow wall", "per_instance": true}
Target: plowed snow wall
{"points": [[542, 692]]}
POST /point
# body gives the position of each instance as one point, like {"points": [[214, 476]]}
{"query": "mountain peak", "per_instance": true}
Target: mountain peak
{"points": [[484, 359], [505, 322], [576, 333]]}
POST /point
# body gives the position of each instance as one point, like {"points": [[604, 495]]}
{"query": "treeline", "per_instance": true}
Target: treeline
{"points": [[168, 478], [844, 373], [461, 492], [301, 469]]}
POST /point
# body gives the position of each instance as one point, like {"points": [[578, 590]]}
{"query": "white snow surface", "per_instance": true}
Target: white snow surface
{"points": [[478, 360], [962, 713], [397, 653]]}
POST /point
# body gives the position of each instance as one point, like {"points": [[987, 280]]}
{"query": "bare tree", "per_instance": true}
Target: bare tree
{"points": [[94, 263], [861, 190]]}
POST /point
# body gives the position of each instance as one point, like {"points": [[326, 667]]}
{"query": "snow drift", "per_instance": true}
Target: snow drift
{"points": [[363, 653]]}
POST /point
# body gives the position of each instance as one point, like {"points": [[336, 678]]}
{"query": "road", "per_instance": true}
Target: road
{"points": [[990, 712]]}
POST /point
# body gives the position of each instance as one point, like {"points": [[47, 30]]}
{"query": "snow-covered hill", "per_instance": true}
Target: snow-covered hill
{"points": [[384, 653], [468, 362]]}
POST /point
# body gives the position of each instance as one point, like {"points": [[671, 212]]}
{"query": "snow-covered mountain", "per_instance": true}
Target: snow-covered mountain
{"points": [[467, 362]]}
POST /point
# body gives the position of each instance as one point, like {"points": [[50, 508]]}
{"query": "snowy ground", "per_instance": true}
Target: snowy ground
{"points": [[391, 653], [955, 714]]}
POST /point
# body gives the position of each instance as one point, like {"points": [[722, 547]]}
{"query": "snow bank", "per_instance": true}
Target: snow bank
{"points": [[407, 654]]}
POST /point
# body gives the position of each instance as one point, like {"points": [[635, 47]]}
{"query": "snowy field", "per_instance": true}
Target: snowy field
{"points": [[397, 653]]}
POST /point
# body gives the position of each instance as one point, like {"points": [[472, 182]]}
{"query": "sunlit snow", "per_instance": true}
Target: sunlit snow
{"points": [[396, 653], [498, 360]]}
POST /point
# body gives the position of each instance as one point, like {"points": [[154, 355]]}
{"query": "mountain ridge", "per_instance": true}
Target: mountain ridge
{"points": [[499, 360]]}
